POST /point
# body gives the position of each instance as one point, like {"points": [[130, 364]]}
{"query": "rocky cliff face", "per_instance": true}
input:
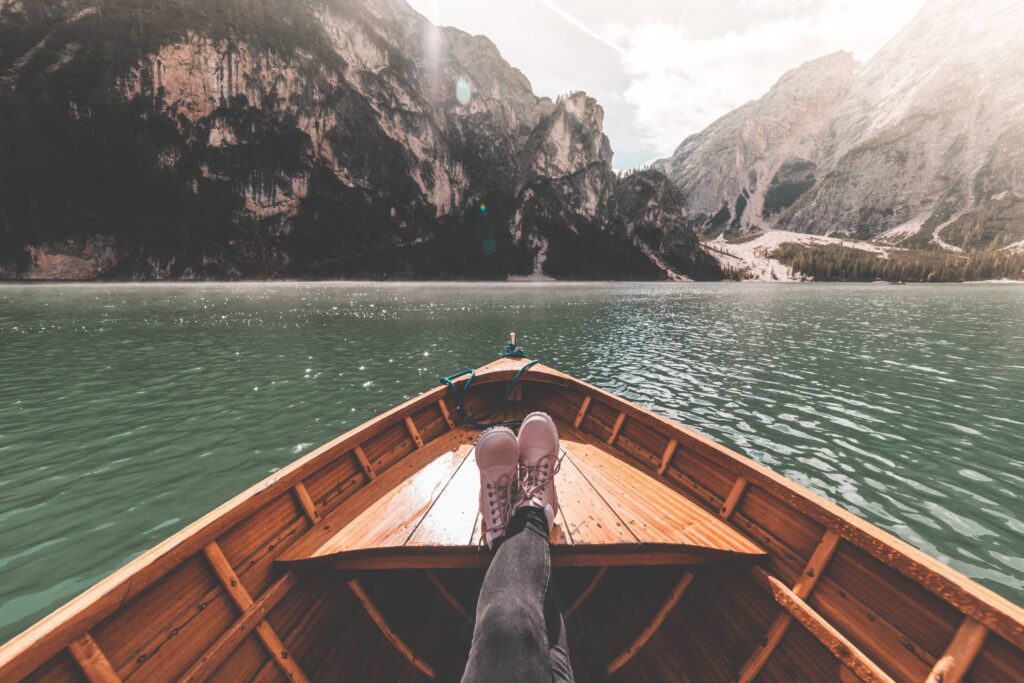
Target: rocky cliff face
{"points": [[927, 133], [746, 168], [334, 138], [584, 221]]}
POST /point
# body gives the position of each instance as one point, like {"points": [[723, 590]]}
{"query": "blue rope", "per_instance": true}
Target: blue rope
{"points": [[481, 421]]}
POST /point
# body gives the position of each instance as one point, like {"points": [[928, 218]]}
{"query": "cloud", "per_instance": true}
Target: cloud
{"points": [[577, 23], [664, 69], [680, 83]]}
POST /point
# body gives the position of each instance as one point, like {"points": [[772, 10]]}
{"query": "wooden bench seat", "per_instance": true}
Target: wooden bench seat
{"points": [[423, 514]]}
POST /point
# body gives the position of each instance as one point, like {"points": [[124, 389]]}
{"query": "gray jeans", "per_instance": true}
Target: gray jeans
{"points": [[519, 633]]}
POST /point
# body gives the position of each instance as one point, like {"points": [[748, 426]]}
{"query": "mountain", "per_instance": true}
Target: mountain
{"points": [[925, 142], [317, 138], [746, 167]]}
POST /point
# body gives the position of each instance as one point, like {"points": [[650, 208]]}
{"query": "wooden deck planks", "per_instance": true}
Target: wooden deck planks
{"points": [[390, 521], [313, 541], [560, 533], [450, 519], [650, 509], [610, 515], [476, 536], [589, 520]]}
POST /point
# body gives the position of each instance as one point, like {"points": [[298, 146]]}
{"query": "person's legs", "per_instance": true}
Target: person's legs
{"points": [[519, 633], [558, 643], [510, 641]]}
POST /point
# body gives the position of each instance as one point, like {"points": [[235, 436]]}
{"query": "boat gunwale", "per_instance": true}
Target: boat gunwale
{"points": [[44, 639], [47, 637], [1001, 615]]}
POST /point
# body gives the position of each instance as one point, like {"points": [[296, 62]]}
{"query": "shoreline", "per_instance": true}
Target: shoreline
{"points": [[512, 282]]}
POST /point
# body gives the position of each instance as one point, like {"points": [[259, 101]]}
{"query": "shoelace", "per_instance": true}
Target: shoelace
{"points": [[533, 478], [500, 495]]}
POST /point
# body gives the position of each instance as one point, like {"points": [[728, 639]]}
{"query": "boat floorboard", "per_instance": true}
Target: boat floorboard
{"points": [[610, 514]]}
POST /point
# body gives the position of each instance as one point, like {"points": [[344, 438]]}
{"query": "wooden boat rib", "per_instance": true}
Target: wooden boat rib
{"points": [[677, 559]]}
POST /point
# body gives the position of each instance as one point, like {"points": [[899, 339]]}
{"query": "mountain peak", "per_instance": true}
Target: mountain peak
{"points": [[282, 139], [923, 127], [921, 134], [728, 171], [814, 70]]}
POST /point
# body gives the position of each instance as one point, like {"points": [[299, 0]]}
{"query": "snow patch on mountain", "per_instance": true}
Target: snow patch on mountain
{"points": [[903, 230], [753, 256]]}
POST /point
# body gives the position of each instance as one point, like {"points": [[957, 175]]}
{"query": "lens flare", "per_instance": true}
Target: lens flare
{"points": [[463, 91]]}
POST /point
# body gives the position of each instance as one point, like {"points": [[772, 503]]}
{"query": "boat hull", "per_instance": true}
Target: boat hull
{"points": [[833, 594]]}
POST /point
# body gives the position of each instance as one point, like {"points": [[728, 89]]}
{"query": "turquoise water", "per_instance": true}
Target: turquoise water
{"points": [[126, 411]]}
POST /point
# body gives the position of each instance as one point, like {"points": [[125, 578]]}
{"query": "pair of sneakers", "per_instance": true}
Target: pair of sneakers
{"points": [[516, 471]]}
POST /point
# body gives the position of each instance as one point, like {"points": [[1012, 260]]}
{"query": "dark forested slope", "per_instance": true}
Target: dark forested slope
{"points": [[277, 138]]}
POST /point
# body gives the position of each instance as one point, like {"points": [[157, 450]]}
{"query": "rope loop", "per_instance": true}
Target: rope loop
{"points": [[513, 351], [459, 393]]}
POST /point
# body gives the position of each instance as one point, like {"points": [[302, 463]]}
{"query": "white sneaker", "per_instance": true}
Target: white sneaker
{"points": [[497, 455], [538, 463]]}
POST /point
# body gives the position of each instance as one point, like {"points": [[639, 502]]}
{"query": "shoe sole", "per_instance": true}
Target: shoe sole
{"points": [[546, 419], [490, 435]]}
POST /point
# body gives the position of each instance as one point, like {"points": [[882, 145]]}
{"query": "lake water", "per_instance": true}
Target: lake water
{"points": [[127, 411]]}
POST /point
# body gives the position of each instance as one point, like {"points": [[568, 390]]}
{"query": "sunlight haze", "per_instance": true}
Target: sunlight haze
{"points": [[664, 70]]}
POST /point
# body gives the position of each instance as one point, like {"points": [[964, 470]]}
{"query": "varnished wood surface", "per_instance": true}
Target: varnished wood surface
{"points": [[45, 639], [838, 598], [382, 487], [588, 518], [656, 621], [961, 653], [841, 646], [611, 513], [391, 520], [389, 632], [95, 665], [995, 611], [451, 516]]}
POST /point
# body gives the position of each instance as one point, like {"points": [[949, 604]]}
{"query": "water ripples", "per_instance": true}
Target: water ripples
{"points": [[127, 411]]}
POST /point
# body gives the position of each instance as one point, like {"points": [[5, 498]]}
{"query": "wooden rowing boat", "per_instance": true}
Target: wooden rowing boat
{"points": [[675, 557]]}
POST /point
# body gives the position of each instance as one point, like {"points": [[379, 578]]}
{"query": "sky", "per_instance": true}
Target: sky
{"points": [[665, 69]]}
